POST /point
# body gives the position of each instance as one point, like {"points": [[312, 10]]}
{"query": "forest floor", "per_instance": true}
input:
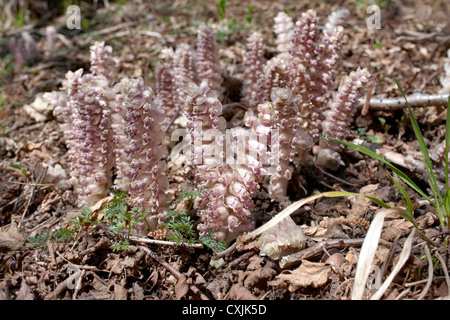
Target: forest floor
{"points": [[411, 46]]}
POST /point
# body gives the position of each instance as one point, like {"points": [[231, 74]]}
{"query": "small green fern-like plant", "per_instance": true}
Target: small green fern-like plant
{"points": [[121, 219], [58, 236], [181, 227]]}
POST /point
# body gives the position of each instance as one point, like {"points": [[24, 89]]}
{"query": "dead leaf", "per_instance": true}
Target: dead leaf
{"points": [[120, 293], [12, 239], [393, 228], [258, 276], [308, 274], [138, 291], [181, 288], [238, 292], [25, 292]]}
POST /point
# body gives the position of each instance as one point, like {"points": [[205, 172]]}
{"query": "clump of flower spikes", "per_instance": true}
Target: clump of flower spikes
{"points": [[165, 85], [312, 67], [284, 31], [224, 207], [103, 130], [279, 138], [339, 117], [90, 137], [254, 68], [102, 61], [143, 167], [207, 62]]}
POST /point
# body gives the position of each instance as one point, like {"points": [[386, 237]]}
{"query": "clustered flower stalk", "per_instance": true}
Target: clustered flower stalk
{"points": [[312, 67], [254, 69], [102, 61], [143, 133], [208, 64], [225, 205], [165, 86], [279, 139], [339, 117], [184, 69], [284, 31], [91, 137]]}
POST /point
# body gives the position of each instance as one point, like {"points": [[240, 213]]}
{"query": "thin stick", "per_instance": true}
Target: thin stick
{"points": [[430, 274], [179, 276], [171, 122], [296, 258], [336, 178], [164, 242], [26, 207], [416, 100]]}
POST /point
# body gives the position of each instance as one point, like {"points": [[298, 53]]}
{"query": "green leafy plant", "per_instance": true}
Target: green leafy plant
{"points": [[181, 227], [3, 125], [361, 133], [378, 44], [249, 16], [61, 235], [18, 165], [120, 217], [85, 219], [221, 8]]}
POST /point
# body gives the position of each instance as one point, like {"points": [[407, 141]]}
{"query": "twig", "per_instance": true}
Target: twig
{"points": [[171, 122], [296, 258], [336, 178], [164, 242], [242, 258], [414, 101], [430, 274], [26, 207], [226, 252], [179, 276], [410, 35]]}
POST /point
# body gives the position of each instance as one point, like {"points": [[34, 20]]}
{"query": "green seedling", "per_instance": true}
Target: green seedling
{"points": [[361, 133], [249, 16], [58, 236], [18, 165], [221, 8], [4, 125], [181, 227]]}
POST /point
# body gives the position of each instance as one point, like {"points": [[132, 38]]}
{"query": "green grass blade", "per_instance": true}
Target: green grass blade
{"points": [[447, 142], [407, 199], [426, 156], [400, 173]]}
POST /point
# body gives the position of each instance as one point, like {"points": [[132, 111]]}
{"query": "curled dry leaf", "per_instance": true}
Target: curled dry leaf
{"points": [[308, 274]]}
